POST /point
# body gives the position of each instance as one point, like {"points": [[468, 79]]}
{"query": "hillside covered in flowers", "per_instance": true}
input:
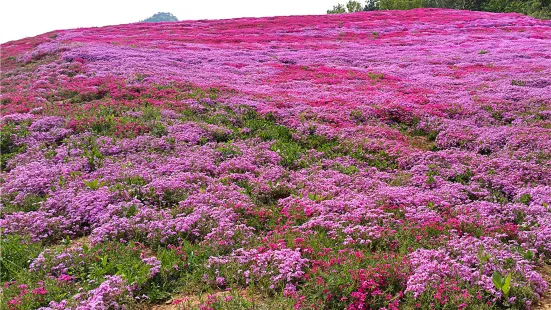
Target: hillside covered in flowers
{"points": [[390, 159]]}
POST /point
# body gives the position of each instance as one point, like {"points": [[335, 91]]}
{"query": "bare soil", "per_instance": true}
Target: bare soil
{"points": [[187, 302], [545, 302]]}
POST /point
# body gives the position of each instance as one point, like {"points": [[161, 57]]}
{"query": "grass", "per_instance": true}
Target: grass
{"points": [[181, 269], [8, 145]]}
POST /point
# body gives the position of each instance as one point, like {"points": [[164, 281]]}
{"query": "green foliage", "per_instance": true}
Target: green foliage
{"points": [[535, 8], [228, 150], [372, 5], [465, 177], [375, 76], [353, 6], [158, 130], [93, 155], [180, 267], [8, 147], [431, 174], [502, 283], [526, 199], [348, 170], [337, 9], [16, 253], [94, 184], [400, 4], [518, 83], [289, 151], [31, 202], [453, 4], [350, 7], [160, 17]]}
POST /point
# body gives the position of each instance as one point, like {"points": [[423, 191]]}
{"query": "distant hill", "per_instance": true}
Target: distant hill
{"points": [[160, 17]]}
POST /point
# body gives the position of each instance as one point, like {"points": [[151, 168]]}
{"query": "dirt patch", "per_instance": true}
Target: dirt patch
{"points": [[185, 302], [422, 143], [82, 241], [545, 302]]}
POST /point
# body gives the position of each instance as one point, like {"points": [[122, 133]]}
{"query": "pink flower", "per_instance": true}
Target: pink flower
{"points": [[40, 291]]}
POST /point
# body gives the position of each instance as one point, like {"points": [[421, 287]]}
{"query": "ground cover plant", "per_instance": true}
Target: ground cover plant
{"points": [[396, 160]]}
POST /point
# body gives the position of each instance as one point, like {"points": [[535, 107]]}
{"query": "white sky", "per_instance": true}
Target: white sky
{"points": [[27, 18]]}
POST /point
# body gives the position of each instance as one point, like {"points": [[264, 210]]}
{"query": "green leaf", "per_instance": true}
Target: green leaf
{"points": [[506, 286], [104, 261], [529, 255], [497, 278]]}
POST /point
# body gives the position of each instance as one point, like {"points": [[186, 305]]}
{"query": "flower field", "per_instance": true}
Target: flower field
{"points": [[390, 159]]}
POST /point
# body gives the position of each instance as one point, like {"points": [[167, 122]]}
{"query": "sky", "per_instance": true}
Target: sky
{"points": [[27, 18]]}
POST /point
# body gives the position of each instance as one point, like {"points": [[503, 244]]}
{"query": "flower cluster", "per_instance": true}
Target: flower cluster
{"points": [[305, 156]]}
